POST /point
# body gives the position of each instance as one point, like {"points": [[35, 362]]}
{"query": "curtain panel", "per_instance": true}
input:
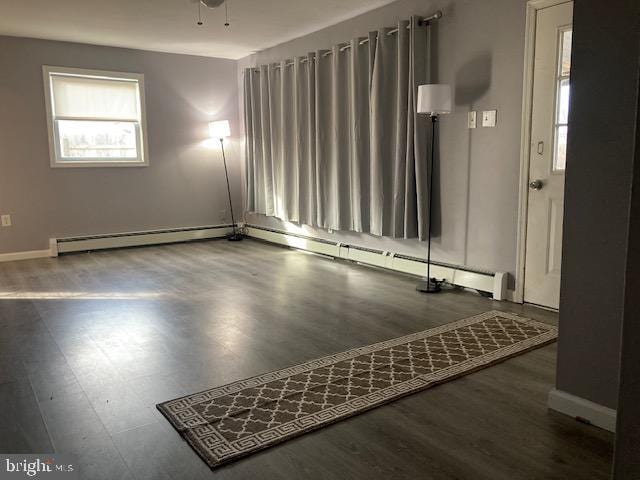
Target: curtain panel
{"points": [[333, 139]]}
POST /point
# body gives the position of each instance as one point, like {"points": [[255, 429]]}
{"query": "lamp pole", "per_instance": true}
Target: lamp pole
{"points": [[235, 236], [431, 285]]}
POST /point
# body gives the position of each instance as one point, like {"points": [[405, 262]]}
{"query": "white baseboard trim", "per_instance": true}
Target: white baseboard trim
{"points": [[137, 239], [120, 240], [14, 256], [494, 283], [582, 409]]}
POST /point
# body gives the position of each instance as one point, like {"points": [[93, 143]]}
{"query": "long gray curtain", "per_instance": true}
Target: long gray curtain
{"points": [[333, 139]]}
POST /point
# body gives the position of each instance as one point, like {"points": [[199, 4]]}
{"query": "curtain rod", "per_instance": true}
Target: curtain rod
{"points": [[421, 21]]}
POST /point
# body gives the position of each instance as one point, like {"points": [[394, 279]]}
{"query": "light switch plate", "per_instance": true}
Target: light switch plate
{"points": [[489, 118], [473, 120], [6, 220]]}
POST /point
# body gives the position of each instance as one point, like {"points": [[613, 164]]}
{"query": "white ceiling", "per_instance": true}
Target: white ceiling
{"points": [[170, 25]]}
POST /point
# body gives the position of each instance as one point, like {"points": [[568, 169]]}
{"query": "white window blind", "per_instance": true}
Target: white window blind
{"points": [[93, 98], [95, 118]]}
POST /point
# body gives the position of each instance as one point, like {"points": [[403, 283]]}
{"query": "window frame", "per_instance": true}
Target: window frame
{"points": [[56, 161], [556, 125]]}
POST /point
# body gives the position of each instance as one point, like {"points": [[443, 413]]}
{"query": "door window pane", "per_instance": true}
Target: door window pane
{"points": [[563, 107], [560, 157], [565, 65]]}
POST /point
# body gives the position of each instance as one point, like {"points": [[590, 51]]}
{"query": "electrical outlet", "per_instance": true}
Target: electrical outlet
{"points": [[6, 220], [473, 120], [489, 118]]}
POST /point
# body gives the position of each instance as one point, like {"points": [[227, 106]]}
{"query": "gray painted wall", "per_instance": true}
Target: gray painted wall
{"points": [[627, 450], [479, 47], [184, 184], [597, 196]]}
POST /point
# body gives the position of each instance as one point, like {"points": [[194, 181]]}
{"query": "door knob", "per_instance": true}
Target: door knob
{"points": [[536, 185]]}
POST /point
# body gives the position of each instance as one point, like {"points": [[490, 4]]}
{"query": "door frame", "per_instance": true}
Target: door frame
{"points": [[525, 138]]}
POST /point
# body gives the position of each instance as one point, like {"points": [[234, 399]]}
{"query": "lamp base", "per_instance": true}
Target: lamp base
{"points": [[235, 237], [429, 286]]}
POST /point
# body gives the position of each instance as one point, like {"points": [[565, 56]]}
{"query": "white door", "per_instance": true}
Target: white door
{"points": [[549, 121]]}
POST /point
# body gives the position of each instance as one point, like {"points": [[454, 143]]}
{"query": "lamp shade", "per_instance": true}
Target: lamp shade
{"points": [[219, 129], [435, 99]]}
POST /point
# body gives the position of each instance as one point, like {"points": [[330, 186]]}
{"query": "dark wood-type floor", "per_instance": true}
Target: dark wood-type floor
{"points": [[91, 342]]}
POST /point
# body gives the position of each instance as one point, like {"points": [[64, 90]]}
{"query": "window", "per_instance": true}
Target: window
{"points": [[563, 89], [95, 118]]}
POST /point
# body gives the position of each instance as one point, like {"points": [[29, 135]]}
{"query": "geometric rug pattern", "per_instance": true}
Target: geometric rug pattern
{"points": [[225, 423]]}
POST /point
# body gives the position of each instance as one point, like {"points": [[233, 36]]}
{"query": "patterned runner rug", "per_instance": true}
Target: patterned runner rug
{"points": [[225, 423]]}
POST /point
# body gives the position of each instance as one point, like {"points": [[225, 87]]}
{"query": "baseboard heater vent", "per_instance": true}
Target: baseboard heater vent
{"points": [[494, 283], [136, 239]]}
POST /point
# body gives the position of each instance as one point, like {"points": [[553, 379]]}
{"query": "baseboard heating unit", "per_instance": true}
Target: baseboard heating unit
{"points": [[494, 283], [136, 239]]}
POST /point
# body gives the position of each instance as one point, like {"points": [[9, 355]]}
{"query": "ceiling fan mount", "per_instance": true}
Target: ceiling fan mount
{"points": [[212, 3]]}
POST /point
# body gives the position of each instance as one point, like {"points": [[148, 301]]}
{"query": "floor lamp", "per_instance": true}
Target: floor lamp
{"points": [[434, 100], [221, 130]]}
